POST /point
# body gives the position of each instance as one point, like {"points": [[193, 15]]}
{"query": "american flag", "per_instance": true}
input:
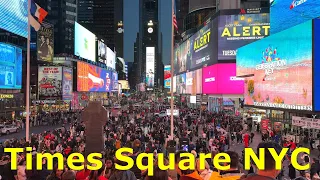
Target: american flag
{"points": [[174, 18]]}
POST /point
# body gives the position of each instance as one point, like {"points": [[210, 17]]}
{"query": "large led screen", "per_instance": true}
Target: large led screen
{"points": [[10, 67], [282, 74], [221, 79], [236, 31], [84, 43], [111, 58], [150, 60], [14, 16], [198, 50], [167, 76], [316, 66], [174, 85], [114, 81], [102, 52], [50, 82], [287, 13], [194, 82], [67, 84], [181, 83], [92, 78]]}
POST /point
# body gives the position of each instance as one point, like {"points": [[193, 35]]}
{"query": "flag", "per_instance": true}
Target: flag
{"points": [[36, 11], [174, 18]]}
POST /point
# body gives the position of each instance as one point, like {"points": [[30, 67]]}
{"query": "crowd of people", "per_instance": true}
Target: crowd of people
{"points": [[138, 128]]}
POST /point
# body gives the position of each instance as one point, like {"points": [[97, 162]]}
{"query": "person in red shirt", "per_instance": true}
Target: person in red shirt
{"points": [[246, 137], [82, 175]]}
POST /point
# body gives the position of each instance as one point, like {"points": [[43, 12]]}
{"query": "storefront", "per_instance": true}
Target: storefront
{"points": [[39, 106], [12, 105]]}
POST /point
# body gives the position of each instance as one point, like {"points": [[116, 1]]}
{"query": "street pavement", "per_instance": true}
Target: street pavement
{"points": [[35, 130]]}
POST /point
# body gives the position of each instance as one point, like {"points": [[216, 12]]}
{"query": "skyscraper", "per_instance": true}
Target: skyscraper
{"points": [[149, 40], [103, 18], [62, 14]]}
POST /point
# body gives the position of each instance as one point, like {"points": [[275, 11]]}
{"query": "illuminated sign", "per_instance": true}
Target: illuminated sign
{"points": [[212, 79], [245, 31], [296, 3], [202, 41], [6, 96]]}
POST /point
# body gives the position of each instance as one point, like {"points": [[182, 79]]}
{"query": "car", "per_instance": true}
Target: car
{"points": [[7, 129], [161, 114]]}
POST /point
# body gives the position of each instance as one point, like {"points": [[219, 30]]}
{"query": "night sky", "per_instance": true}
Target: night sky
{"points": [[131, 26]]}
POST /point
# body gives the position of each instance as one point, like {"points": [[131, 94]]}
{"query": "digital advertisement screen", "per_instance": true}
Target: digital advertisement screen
{"points": [[114, 81], [84, 43], [50, 82], [167, 76], [124, 84], [282, 74], [221, 79], [92, 78], [10, 67], [236, 31], [150, 60], [45, 43], [111, 58], [316, 66], [102, 52], [14, 16], [193, 82], [287, 13], [196, 51], [67, 84], [181, 84], [174, 84]]}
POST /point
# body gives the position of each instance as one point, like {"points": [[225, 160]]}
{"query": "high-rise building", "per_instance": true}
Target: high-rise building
{"points": [[182, 10], [104, 18], [62, 14], [149, 39]]}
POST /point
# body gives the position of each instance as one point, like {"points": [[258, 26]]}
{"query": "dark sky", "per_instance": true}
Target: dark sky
{"points": [[131, 26]]}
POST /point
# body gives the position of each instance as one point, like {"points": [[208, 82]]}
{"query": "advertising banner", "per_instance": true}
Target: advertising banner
{"points": [[236, 31], [10, 67], [193, 82], [102, 52], [221, 79], [50, 82], [198, 50], [45, 43], [306, 122], [282, 74], [316, 65], [282, 13], [174, 84], [150, 60], [14, 17], [124, 84], [181, 83], [111, 58], [92, 78], [114, 81], [167, 76], [84, 43], [67, 84]]}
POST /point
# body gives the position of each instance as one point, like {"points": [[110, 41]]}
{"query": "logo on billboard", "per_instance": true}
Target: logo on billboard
{"points": [[189, 82], [296, 3], [234, 78], [108, 82], [202, 41], [243, 11], [211, 79]]}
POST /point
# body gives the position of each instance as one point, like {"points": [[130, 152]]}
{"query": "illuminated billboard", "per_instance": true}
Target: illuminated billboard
{"points": [[282, 74], [174, 88], [124, 84], [150, 60], [198, 50], [45, 42], [167, 76], [114, 81], [84, 43], [14, 16], [194, 82], [181, 84], [221, 79], [235, 31], [10, 67], [67, 84], [102, 52], [111, 58], [50, 82], [288, 13], [92, 78]]}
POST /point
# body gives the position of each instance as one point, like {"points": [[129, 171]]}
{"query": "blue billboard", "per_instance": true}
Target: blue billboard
{"points": [[14, 16], [316, 66], [287, 13], [10, 67]]}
